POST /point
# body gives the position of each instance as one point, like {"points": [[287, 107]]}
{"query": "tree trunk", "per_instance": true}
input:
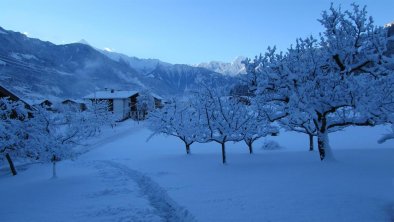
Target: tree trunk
{"points": [[249, 143], [54, 159], [12, 167], [187, 148], [54, 175], [310, 142], [250, 146], [324, 146], [223, 153], [321, 143]]}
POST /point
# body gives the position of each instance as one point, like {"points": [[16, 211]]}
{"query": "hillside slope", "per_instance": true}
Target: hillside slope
{"points": [[36, 69]]}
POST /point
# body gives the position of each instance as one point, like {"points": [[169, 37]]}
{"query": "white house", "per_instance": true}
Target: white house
{"points": [[119, 102], [122, 103]]}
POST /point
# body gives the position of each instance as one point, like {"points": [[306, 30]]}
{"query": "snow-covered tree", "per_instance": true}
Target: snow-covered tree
{"points": [[46, 135], [54, 134], [99, 116], [145, 104], [223, 116], [336, 80], [301, 123], [256, 126], [13, 135], [179, 119]]}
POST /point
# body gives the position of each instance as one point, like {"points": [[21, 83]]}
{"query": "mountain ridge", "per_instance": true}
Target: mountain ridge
{"points": [[40, 69]]}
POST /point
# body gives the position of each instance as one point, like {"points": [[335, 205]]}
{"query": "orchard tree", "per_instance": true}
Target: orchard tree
{"points": [[301, 123], [54, 134], [223, 116], [98, 114], [13, 135], [145, 104], [255, 125], [336, 80], [179, 119], [44, 135]]}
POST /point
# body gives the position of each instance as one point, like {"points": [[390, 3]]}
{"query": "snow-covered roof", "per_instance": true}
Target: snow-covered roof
{"points": [[36, 101], [156, 96], [111, 94], [388, 25], [7, 93], [74, 100]]}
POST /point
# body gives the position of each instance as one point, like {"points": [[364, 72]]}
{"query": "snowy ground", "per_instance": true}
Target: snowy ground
{"points": [[125, 178]]}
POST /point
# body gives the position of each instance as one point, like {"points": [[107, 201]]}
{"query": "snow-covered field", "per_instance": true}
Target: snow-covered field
{"points": [[125, 178]]}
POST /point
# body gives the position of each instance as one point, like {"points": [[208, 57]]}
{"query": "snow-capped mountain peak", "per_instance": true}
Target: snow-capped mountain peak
{"points": [[83, 41], [226, 68]]}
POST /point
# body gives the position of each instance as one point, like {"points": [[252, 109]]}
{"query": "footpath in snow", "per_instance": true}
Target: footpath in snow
{"points": [[87, 190]]}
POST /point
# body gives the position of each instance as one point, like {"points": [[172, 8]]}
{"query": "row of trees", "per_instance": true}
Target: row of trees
{"points": [[40, 134], [318, 86], [211, 116]]}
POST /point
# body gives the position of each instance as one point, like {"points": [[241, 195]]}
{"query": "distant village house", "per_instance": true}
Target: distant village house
{"points": [[123, 104], [74, 104], [44, 103]]}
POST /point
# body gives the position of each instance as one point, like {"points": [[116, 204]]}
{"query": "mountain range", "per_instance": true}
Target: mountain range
{"points": [[36, 69]]}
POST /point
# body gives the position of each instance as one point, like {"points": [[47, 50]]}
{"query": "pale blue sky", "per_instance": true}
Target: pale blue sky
{"points": [[176, 31]]}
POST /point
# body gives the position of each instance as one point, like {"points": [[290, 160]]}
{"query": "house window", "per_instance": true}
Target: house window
{"points": [[111, 105]]}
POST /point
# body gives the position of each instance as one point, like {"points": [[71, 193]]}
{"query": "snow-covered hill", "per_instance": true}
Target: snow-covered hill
{"points": [[143, 66], [35, 68]]}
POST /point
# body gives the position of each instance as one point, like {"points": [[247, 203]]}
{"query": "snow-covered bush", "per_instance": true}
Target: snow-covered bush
{"points": [[387, 136], [271, 145]]}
